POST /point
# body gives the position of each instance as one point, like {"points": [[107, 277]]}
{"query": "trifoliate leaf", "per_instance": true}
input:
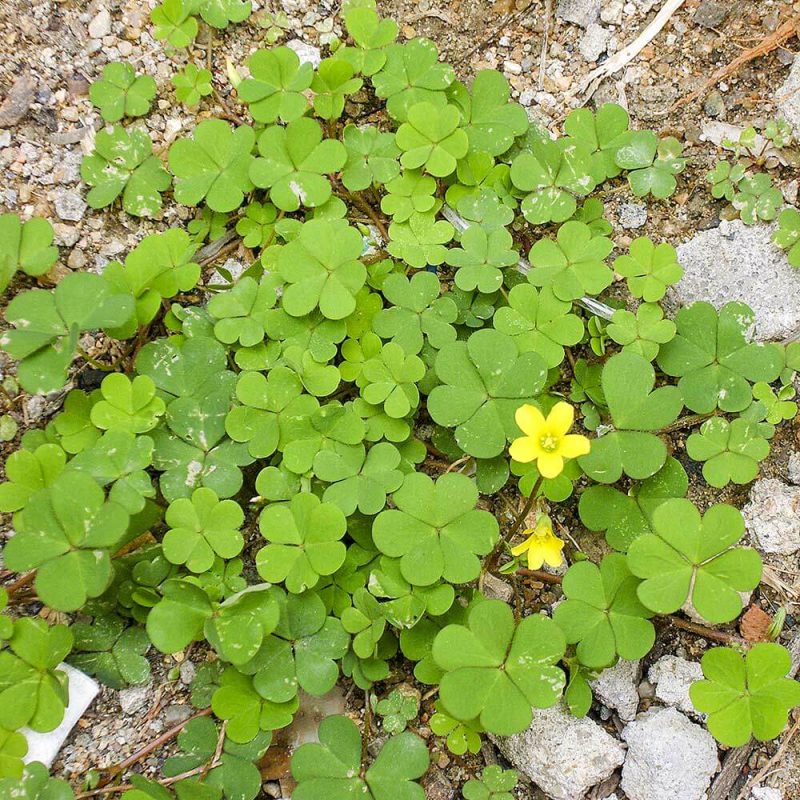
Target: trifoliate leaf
{"points": [[191, 84], [25, 245], [372, 157], [757, 199], [436, 530], [714, 358], [642, 333], [28, 471], [602, 613], [408, 193], [332, 82], [484, 381], [431, 139], [121, 93], [649, 269], [496, 669], [603, 133], [787, 237], [173, 22], [275, 88], [690, 557], [483, 254], [371, 35], [129, 406], [213, 165], [123, 163], [420, 240]]}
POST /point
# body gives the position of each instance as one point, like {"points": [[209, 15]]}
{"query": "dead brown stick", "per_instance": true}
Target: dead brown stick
{"points": [[767, 45], [20, 583], [167, 736]]}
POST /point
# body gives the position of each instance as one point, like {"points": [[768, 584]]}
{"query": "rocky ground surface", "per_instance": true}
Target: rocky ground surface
{"points": [[642, 740]]}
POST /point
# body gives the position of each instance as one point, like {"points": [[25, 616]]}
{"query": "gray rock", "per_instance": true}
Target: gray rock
{"points": [[70, 205], [497, 589], [669, 757], [176, 713], [714, 105], [772, 518], [632, 215], [616, 688], [579, 12], [35, 407], [187, 672], [594, 41], [135, 698], [793, 469], [766, 793], [17, 100], [739, 262], [307, 53], [788, 97], [711, 13], [563, 755], [100, 25], [673, 676]]}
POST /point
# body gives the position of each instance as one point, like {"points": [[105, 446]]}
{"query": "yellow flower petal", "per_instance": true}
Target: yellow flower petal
{"points": [[529, 419], [551, 551], [519, 549], [524, 449], [550, 465], [574, 445], [560, 418], [535, 558]]}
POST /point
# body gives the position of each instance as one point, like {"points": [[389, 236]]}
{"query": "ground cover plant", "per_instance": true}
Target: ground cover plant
{"points": [[303, 469]]}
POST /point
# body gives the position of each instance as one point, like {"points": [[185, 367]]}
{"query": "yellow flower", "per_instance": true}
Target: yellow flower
{"points": [[542, 545], [546, 440]]}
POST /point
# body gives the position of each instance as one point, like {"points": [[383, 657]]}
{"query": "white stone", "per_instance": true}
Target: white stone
{"points": [[616, 688], [772, 518], [672, 677], [579, 12], [561, 754], [81, 690], [669, 757], [512, 68], [594, 41], [611, 13], [70, 205], [739, 262], [307, 53], [632, 215], [793, 469], [788, 97], [134, 698], [100, 25], [766, 793]]}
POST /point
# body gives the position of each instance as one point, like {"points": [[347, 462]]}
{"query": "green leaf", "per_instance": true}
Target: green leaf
{"points": [[574, 264], [127, 405], [213, 165], [649, 269], [293, 163], [714, 358], [496, 669], [191, 84], [483, 254], [28, 471], [13, 748], [787, 237], [390, 380], [332, 768], [359, 479], [33, 783], [420, 240], [731, 450], [539, 322], [331, 84], [431, 139], [178, 618], [693, 558], [757, 199], [748, 696], [489, 120], [552, 173], [484, 381], [201, 528], [47, 325], [653, 164], [642, 333], [603, 614], [33, 692], [25, 245], [322, 269], [602, 133], [66, 533], [218, 13], [275, 90], [371, 35], [242, 312], [724, 178], [627, 516], [372, 157], [410, 192], [436, 530], [304, 542], [412, 74], [397, 710], [636, 408], [121, 93], [123, 164], [496, 783], [159, 267], [173, 22]]}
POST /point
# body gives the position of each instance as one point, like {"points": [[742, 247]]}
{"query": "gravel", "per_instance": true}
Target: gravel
{"points": [[616, 688], [788, 97], [672, 677], [772, 517]]}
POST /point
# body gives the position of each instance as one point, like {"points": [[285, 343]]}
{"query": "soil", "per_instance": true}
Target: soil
{"points": [[40, 157]]}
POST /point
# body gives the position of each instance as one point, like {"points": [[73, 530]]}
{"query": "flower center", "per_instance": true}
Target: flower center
{"points": [[548, 442]]}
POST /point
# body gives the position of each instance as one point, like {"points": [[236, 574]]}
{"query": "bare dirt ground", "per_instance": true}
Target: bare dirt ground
{"points": [[543, 57]]}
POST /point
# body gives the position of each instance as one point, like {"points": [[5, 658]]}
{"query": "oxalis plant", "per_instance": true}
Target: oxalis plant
{"points": [[307, 472]]}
